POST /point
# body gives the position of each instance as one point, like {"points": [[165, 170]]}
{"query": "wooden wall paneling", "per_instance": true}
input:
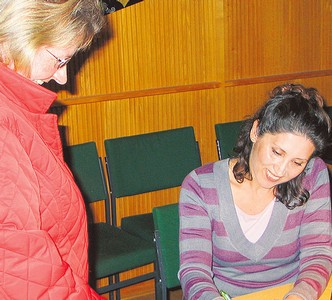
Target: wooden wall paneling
{"points": [[325, 34], [276, 37], [271, 42], [101, 120], [244, 100], [152, 44]]}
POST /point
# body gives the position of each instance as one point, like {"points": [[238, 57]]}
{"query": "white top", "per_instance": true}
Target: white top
{"points": [[253, 226]]}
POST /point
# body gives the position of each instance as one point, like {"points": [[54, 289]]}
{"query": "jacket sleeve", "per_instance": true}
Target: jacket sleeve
{"points": [[195, 243], [30, 264], [315, 236]]}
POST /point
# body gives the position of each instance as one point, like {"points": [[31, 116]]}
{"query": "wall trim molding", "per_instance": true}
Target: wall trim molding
{"points": [[191, 87], [279, 77], [137, 94]]}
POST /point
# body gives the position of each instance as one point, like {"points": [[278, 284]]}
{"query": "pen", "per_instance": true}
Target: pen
{"points": [[225, 295]]}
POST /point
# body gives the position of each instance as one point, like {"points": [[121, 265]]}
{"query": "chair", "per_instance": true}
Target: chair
{"points": [[327, 156], [148, 162], [329, 110], [112, 250], [166, 221], [226, 136]]}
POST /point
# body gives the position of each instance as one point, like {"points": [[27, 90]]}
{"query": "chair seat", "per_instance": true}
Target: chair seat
{"points": [[120, 252], [139, 225]]}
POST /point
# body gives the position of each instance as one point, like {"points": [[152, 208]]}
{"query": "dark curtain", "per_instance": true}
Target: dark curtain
{"points": [[111, 6]]}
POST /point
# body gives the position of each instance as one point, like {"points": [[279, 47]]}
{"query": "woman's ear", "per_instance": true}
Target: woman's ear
{"points": [[253, 131]]}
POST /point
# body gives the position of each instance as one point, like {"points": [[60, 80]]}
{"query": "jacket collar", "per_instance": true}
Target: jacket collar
{"points": [[24, 92]]}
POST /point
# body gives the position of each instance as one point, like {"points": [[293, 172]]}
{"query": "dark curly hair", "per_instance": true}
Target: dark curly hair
{"points": [[290, 108]]}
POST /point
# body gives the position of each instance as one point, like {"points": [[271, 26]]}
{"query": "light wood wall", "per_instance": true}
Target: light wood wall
{"points": [[167, 64]]}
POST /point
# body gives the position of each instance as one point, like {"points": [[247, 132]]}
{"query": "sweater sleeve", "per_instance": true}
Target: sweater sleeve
{"points": [[31, 266], [195, 243], [315, 236]]}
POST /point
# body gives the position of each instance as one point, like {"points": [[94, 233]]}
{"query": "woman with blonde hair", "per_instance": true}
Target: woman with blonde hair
{"points": [[43, 244]]}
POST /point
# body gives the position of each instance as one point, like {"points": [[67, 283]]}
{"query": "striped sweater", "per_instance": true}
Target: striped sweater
{"points": [[215, 255]]}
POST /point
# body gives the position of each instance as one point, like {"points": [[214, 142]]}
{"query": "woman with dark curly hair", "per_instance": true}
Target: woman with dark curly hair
{"points": [[263, 217]]}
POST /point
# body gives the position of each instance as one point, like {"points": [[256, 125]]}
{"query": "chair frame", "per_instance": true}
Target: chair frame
{"points": [[164, 290]]}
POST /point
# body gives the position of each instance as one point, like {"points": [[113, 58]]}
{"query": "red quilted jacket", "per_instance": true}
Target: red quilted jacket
{"points": [[43, 236]]}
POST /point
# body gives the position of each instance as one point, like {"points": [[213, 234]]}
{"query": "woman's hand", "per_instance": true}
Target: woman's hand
{"points": [[293, 297]]}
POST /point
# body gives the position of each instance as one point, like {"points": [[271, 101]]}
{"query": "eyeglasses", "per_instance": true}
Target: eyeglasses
{"points": [[61, 62]]}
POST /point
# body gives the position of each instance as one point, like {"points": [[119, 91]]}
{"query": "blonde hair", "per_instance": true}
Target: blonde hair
{"points": [[26, 25]]}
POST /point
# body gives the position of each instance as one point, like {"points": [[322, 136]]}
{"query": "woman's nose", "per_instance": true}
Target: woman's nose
{"points": [[60, 76], [280, 168]]}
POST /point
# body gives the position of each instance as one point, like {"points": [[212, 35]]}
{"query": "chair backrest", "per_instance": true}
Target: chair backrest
{"points": [[85, 164], [327, 155], [329, 110], [166, 221], [226, 137], [149, 162]]}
